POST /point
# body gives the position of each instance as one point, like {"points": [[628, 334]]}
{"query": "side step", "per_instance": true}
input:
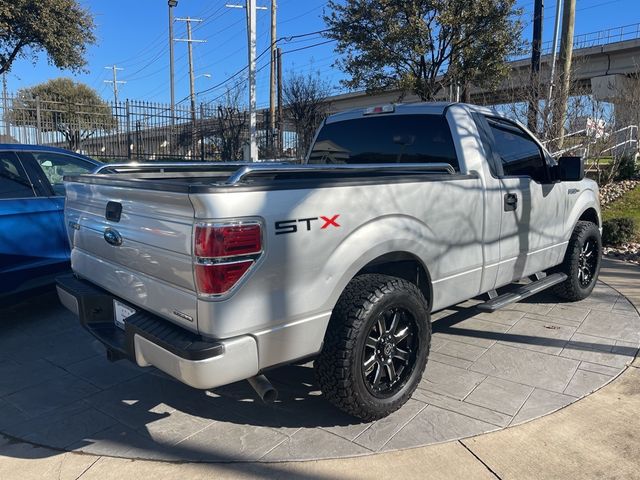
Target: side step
{"points": [[522, 292]]}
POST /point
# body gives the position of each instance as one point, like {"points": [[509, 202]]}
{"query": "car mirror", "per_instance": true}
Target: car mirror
{"points": [[569, 169]]}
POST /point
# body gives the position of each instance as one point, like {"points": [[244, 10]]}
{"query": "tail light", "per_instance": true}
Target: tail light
{"points": [[224, 253], [228, 240]]}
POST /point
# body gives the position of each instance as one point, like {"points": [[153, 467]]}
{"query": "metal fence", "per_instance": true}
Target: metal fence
{"points": [[141, 130]]}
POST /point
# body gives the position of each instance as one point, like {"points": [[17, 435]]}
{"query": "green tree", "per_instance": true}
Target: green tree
{"points": [[61, 105], [423, 46], [61, 28]]}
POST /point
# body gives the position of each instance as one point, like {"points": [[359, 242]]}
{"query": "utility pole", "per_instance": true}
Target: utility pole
{"points": [[115, 82], [192, 82], [251, 8], [272, 78], [566, 53], [5, 107], [251, 31], [532, 114], [172, 4], [280, 122]]}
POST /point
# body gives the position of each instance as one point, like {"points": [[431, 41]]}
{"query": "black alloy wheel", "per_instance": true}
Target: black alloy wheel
{"points": [[376, 346], [389, 353], [587, 262], [581, 263]]}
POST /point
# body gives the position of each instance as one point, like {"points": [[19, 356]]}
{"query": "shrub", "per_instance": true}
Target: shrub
{"points": [[617, 231], [627, 169]]}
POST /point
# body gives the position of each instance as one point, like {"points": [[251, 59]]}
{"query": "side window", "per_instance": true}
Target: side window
{"points": [[14, 182], [55, 166], [520, 155]]}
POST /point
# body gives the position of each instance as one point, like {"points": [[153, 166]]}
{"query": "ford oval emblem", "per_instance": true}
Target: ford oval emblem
{"points": [[113, 237]]}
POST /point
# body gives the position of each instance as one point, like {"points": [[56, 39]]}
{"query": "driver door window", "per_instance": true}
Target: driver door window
{"points": [[519, 154], [55, 166]]}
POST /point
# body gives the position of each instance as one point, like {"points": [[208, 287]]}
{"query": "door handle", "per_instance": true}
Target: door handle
{"points": [[510, 202]]}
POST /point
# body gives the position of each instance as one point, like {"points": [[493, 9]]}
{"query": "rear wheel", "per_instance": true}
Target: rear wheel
{"points": [[376, 346], [581, 263]]}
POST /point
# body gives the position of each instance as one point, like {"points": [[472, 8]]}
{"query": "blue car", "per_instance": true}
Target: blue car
{"points": [[33, 240]]}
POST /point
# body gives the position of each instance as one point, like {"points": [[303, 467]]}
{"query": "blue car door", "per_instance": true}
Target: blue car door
{"points": [[52, 168], [32, 250]]}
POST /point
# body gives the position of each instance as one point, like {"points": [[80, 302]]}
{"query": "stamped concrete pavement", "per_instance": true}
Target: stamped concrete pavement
{"points": [[596, 437]]}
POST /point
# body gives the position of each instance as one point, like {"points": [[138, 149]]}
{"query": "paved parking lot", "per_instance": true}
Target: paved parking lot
{"points": [[486, 371]]}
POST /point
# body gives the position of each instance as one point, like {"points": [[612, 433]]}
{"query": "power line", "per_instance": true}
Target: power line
{"points": [[309, 46], [291, 19], [287, 39], [240, 71]]}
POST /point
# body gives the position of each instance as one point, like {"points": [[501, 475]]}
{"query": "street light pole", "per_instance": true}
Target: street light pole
{"points": [[554, 54], [536, 45], [205, 75], [172, 4]]}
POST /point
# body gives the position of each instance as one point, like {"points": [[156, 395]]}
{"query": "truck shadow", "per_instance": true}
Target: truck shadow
{"points": [[58, 390]]}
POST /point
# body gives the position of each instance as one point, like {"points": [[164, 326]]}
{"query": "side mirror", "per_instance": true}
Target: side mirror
{"points": [[569, 169]]}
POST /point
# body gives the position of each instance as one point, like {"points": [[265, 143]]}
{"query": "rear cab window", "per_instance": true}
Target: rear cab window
{"points": [[414, 138]]}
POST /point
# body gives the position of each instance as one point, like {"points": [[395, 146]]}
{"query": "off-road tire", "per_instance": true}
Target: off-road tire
{"points": [[339, 367], [572, 289]]}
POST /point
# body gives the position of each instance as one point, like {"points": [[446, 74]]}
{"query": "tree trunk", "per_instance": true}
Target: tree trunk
{"points": [[466, 93]]}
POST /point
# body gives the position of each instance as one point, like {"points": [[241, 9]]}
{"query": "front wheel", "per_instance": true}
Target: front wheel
{"points": [[376, 346], [581, 263]]}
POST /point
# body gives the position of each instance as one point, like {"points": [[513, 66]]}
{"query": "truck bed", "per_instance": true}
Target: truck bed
{"points": [[205, 178]]}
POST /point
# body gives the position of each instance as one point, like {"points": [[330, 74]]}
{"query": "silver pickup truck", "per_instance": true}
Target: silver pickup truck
{"points": [[216, 273]]}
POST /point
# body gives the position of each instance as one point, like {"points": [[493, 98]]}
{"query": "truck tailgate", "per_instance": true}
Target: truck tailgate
{"points": [[152, 266]]}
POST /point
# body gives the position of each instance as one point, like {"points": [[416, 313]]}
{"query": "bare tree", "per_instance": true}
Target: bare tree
{"points": [[589, 124], [305, 98], [228, 131]]}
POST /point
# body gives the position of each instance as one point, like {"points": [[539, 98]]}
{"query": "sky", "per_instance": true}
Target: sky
{"points": [[133, 34]]}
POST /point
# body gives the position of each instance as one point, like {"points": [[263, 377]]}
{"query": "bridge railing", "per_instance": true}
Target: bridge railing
{"points": [[613, 144], [594, 39]]}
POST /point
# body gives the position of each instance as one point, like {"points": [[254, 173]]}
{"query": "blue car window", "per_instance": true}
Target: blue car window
{"points": [[14, 182], [55, 166]]}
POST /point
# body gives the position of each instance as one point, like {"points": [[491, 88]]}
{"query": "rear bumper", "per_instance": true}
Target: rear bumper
{"points": [[150, 340]]}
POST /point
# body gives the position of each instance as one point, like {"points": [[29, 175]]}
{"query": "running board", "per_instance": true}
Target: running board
{"points": [[522, 292]]}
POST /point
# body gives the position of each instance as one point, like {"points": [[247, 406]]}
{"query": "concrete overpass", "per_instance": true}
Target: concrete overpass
{"points": [[601, 60]]}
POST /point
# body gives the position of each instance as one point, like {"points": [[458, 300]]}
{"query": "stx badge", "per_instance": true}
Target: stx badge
{"points": [[291, 226]]}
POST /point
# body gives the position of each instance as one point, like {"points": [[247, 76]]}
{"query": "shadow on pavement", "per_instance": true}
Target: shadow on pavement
{"points": [[142, 415]]}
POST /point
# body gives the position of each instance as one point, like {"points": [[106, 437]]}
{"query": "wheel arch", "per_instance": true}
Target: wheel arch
{"points": [[590, 215], [585, 207], [403, 265]]}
